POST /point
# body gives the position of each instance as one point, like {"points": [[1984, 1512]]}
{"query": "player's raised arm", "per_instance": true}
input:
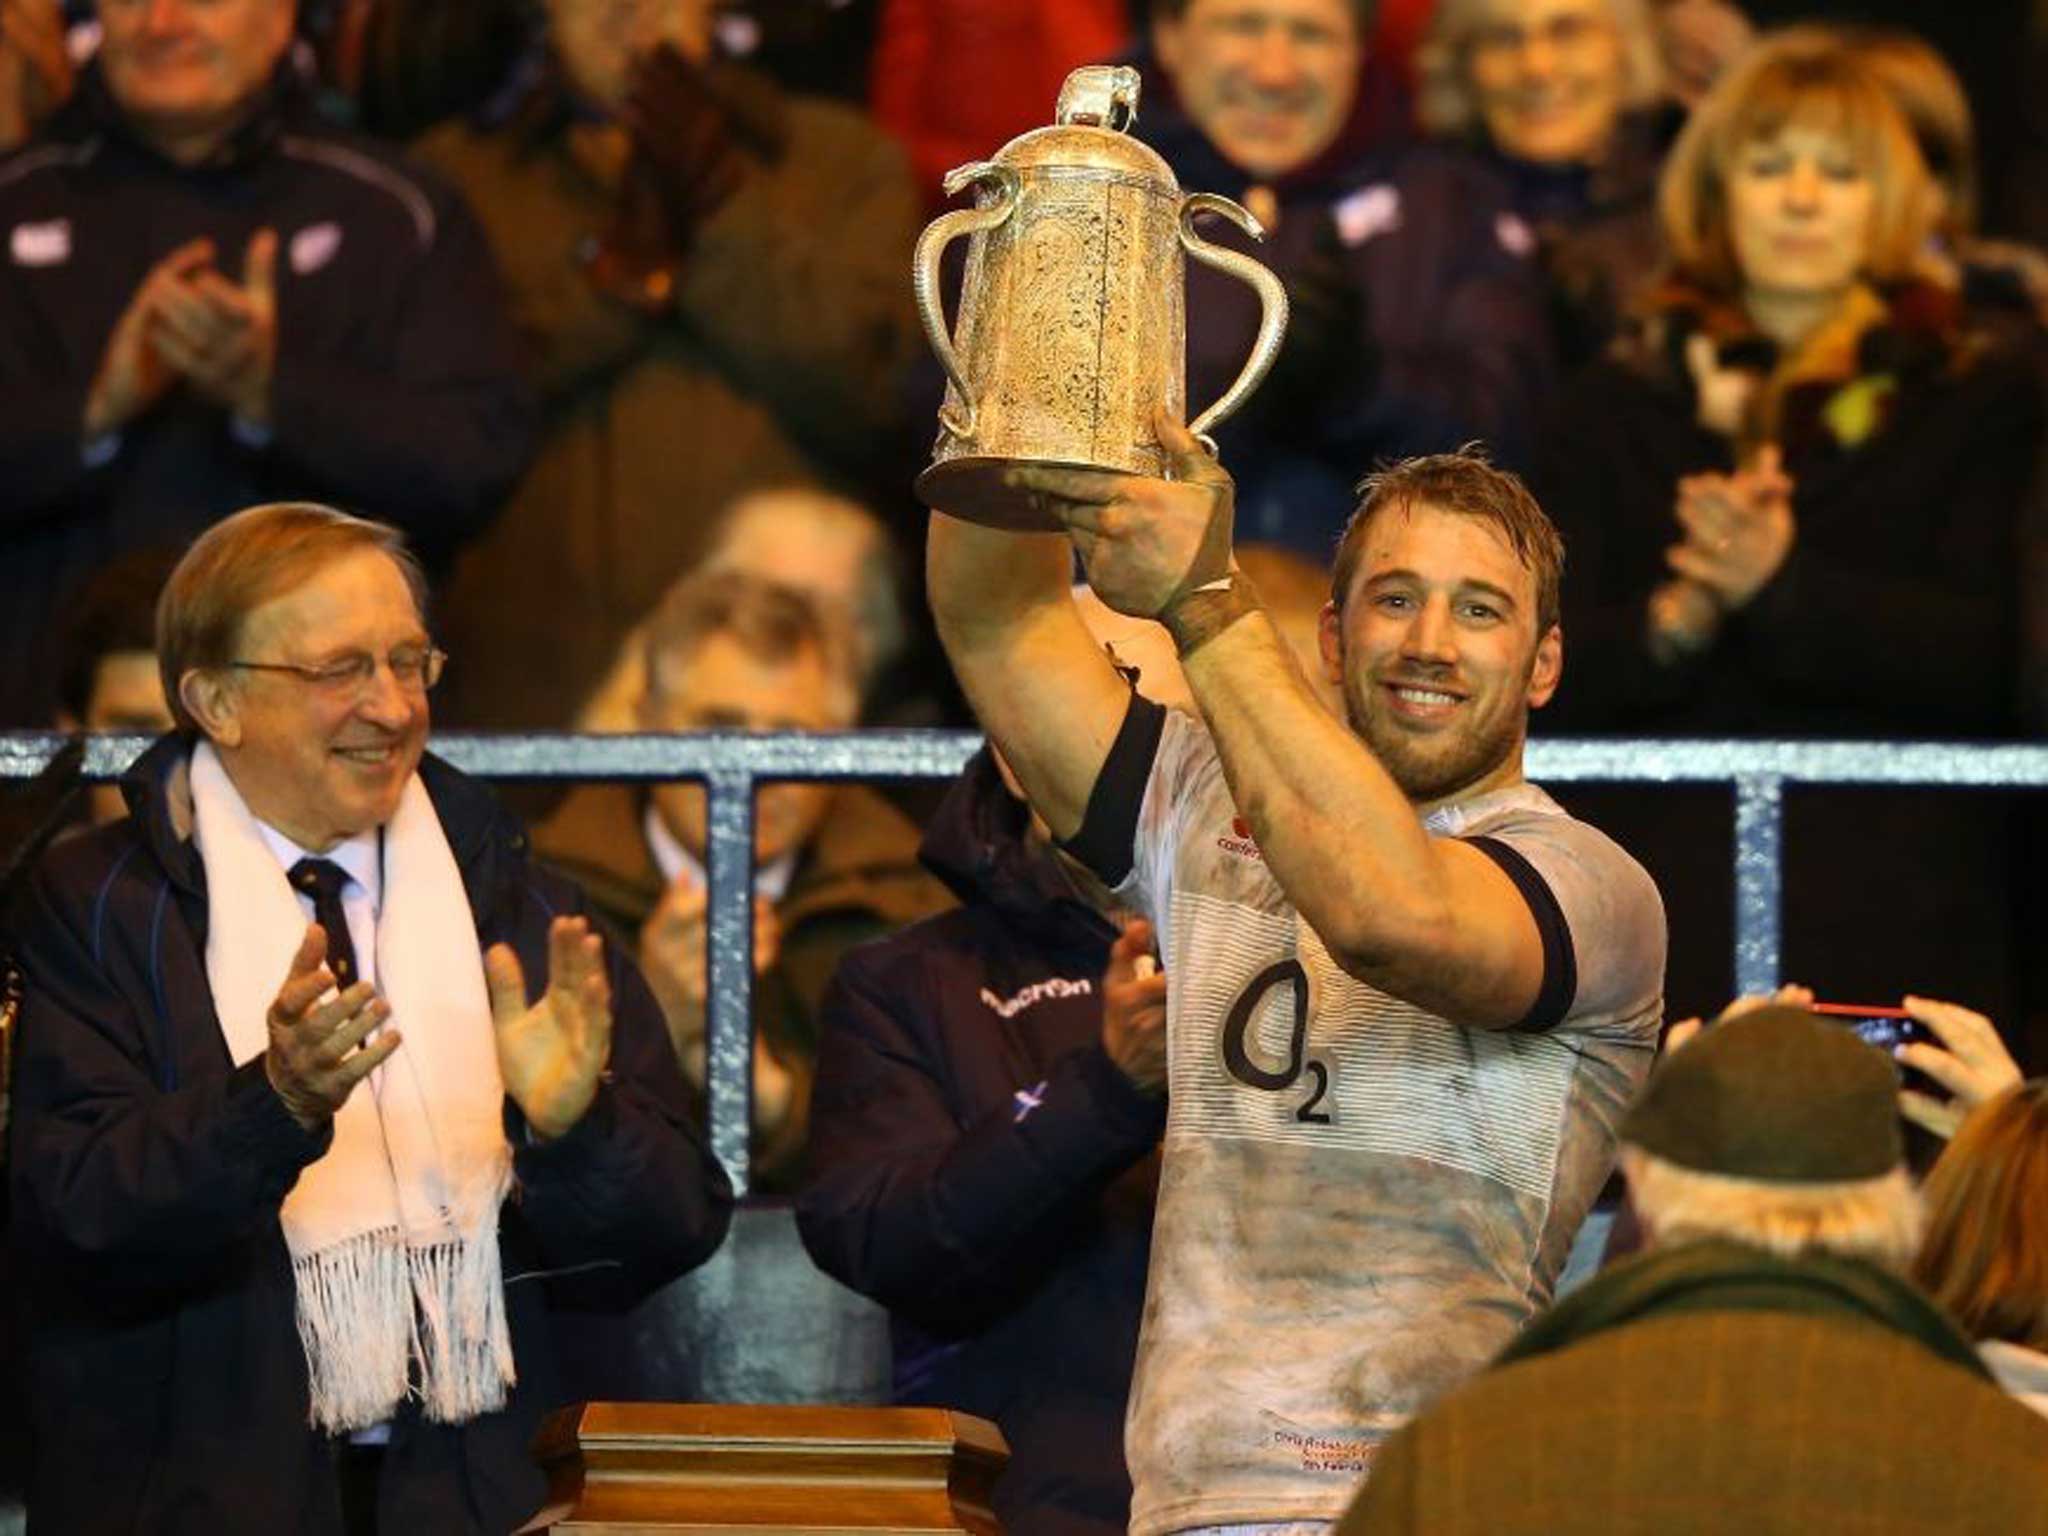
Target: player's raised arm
{"points": [[1050, 699], [1442, 646]]}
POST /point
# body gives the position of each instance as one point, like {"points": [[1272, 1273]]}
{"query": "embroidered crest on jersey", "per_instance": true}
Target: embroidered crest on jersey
{"points": [[43, 244], [315, 246]]}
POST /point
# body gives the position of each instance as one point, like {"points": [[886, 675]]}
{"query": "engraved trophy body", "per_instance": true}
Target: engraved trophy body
{"points": [[1072, 324]]}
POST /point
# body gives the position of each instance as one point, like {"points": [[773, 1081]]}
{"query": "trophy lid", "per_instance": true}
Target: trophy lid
{"points": [[1097, 106]]}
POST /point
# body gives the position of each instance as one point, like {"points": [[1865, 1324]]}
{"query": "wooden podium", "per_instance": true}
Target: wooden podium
{"points": [[665, 1469]]}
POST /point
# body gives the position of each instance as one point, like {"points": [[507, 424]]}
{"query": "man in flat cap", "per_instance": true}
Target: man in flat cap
{"points": [[1763, 1367]]}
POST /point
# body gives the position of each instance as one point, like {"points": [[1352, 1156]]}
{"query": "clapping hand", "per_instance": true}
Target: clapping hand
{"points": [[1738, 530], [222, 336], [672, 958], [1699, 38], [187, 320], [682, 133], [1722, 396], [1134, 1009], [35, 66], [681, 167], [134, 373], [319, 1039], [551, 1055]]}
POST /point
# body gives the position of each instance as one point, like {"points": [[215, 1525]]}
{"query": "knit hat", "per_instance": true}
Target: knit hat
{"points": [[1779, 1096]]}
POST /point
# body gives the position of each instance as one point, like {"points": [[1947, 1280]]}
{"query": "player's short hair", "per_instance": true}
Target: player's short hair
{"points": [[1465, 484]]}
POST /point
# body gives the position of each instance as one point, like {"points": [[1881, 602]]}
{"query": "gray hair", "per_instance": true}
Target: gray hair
{"points": [[1878, 1219], [1444, 100], [881, 632], [770, 622]]}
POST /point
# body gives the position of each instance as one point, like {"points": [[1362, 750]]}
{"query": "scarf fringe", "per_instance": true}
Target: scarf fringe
{"points": [[353, 1305], [460, 1336], [370, 1306], [393, 1231]]}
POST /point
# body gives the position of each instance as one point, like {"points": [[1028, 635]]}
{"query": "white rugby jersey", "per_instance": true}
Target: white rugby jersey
{"points": [[1360, 1203]]}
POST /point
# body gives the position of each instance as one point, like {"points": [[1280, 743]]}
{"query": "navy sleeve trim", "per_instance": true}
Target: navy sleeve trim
{"points": [[1108, 834], [1560, 958]]}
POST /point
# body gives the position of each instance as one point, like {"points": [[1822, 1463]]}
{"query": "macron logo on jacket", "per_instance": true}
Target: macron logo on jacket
{"points": [[1037, 992]]}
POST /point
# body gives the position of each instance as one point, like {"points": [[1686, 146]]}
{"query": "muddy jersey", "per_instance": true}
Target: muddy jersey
{"points": [[1361, 1203]]}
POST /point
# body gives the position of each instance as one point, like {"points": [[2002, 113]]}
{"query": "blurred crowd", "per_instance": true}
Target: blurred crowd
{"points": [[606, 305], [587, 297]]}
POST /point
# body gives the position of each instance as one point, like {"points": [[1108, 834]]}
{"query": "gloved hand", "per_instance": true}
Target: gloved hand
{"points": [[683, 139], [685, 162]]}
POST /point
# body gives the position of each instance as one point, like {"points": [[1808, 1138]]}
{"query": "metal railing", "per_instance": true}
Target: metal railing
{"points": [[732, 765]]}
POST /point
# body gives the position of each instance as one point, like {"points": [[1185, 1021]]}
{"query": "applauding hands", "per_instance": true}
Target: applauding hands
{"points": [[673, 959], [1134, 1009], [552, 1054], [320, 1045], [188, 322], [1738, 531]]}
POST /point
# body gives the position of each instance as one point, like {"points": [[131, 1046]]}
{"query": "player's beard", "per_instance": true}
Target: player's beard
{"points": [[1435, 767]]}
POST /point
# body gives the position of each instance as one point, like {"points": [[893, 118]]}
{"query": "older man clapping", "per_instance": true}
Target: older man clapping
{"points": [[312, 1071]]}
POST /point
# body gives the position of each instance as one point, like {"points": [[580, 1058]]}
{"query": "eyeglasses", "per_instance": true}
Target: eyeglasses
{"points": [[414, 668]]}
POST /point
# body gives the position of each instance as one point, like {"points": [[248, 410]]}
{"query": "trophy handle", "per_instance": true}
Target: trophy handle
{"points": [[924, 273], [1272, 302]]}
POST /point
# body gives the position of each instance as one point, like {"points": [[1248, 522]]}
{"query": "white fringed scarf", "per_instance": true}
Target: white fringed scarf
{"points": [[394, 1231]]}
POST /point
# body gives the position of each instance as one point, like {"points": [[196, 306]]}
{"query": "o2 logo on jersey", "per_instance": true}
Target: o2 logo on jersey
{"points": [[1237, 1056]]}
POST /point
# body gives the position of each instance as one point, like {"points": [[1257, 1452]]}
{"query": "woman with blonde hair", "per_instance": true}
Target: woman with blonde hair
{"points": [[1792, 498], [1985, 1253]]}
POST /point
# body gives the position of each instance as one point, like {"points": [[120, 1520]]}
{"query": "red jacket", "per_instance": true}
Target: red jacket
{"points": [[955, 80]]}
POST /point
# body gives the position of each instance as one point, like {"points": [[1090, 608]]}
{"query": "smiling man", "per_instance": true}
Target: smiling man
{"points": [[834, 865], [213, 298], [1410, 996], [1420, 319], [315, 1066]]}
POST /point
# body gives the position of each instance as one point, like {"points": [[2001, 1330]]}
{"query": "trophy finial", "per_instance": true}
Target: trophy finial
{"points": [[1099, 96]]}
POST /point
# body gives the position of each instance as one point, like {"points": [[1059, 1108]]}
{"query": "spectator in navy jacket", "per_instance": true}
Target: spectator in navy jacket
{"points": [[211, 299], [1565, 99], [983, 1131], [1419, 312]]}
